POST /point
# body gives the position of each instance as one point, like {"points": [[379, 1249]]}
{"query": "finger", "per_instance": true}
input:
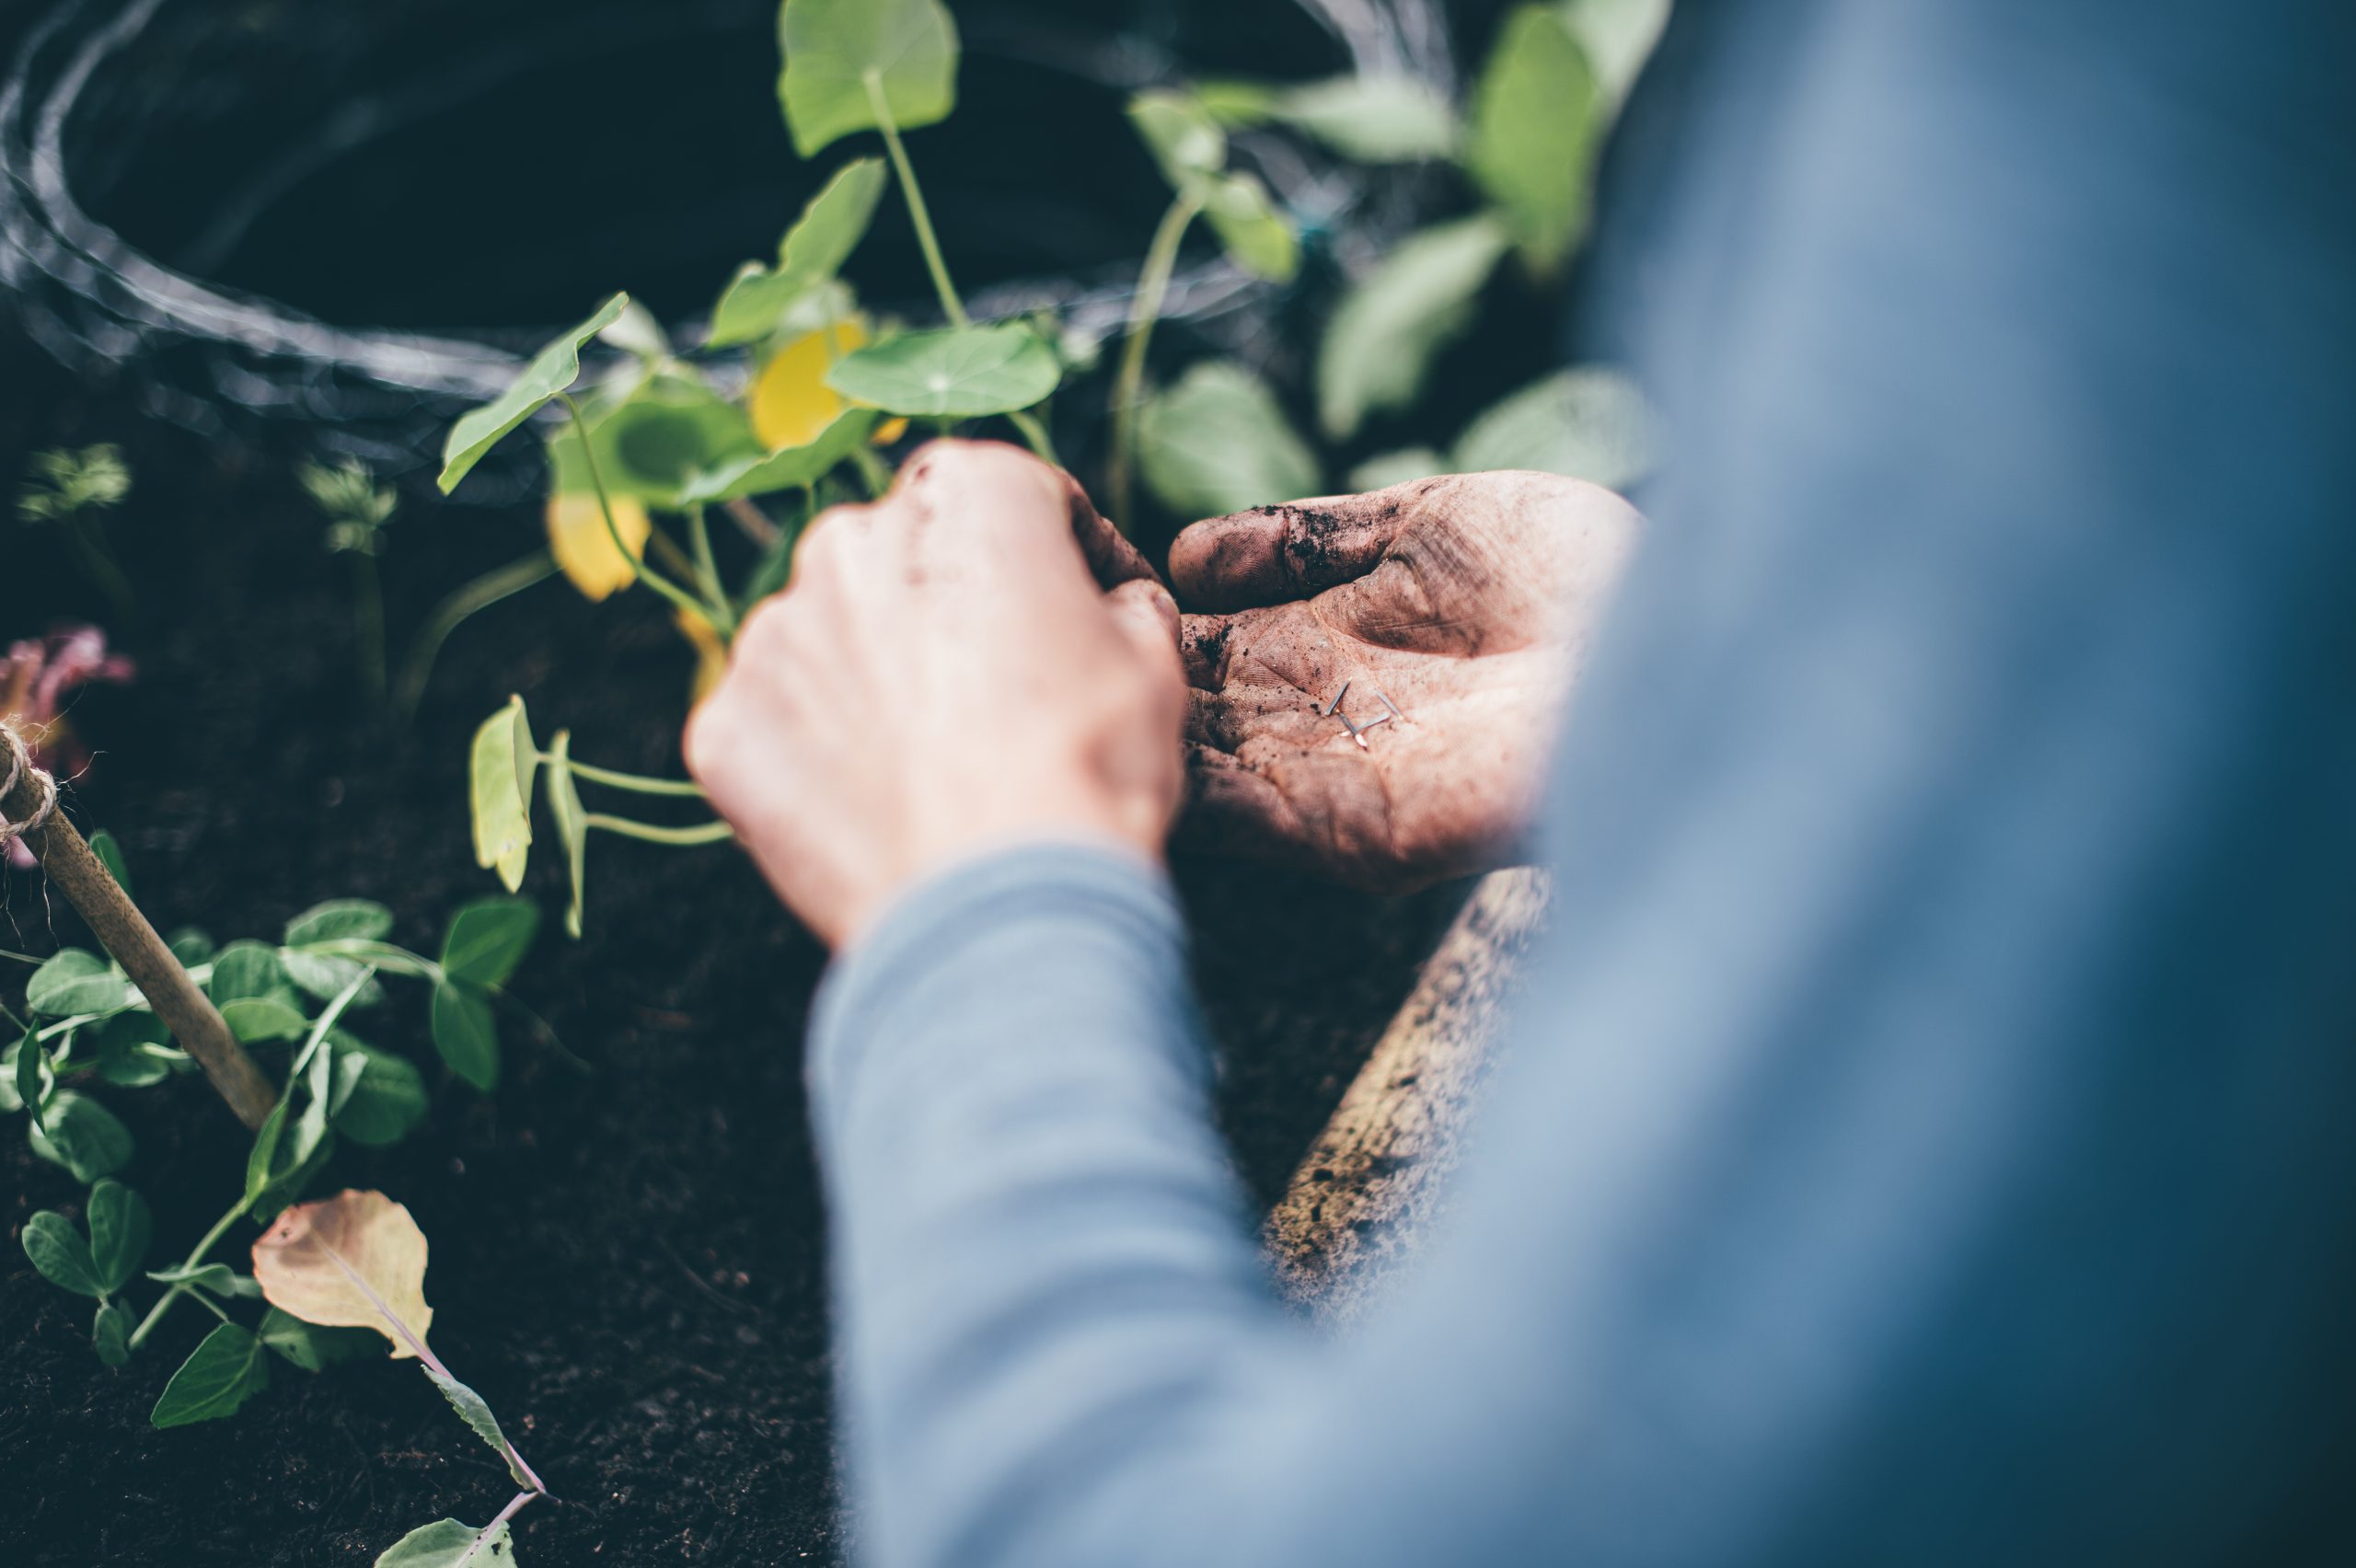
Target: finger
{"points": [[1278, 553], [1148, 616], [998, 478]]}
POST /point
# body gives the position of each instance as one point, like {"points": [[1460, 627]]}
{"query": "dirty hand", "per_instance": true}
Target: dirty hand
{"points": [[945, 675], [1466, 601]]}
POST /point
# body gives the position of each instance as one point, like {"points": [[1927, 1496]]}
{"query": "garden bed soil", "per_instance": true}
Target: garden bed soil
{"points": [[628, 1259]]}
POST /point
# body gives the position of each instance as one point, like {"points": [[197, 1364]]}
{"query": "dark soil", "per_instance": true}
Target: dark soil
{"points": [[627, 1261]]}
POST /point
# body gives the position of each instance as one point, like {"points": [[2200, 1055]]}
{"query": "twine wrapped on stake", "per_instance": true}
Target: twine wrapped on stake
{"points": [[29, 811]]}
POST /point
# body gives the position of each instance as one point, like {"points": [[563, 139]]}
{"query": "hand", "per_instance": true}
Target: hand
{"points": [[945, 675], [1466, 601]]}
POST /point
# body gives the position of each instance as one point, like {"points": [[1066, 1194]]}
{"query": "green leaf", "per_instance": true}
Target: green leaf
{"points": [[956, 372], [11, 1058], [488, 939], [835, 47], [383, 957], [31, 1077], [1256, 236], [309, 1345], [133, 1049], [219, 1279], [1181, 135], [323, 976], [387, 1097], [1373, 119], [82, 1135], [563, 795], [222, 1374], [1238, 104], [652, 442], [552, 371], [447, 1543], [340, 919], [795, 467], [1590, 424], [246, 969], [58, 1250], [1219, 443], [1387, 468], [635, 332], [121, 1227], [812, 252], [1385, 333], [77, 980], [109, 853], [110, 1335], [466, 1034], [1537, 117], [500, 778], [473, 1410], [1618, 36], [256, 1020], [192, 947]]}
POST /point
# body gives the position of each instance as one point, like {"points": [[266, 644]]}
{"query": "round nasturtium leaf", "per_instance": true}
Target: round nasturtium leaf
{"points": [[841, 55], [957, 373]]}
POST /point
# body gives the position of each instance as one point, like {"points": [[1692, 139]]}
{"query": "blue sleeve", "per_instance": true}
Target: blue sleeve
{"points": [[1926, 1138]]}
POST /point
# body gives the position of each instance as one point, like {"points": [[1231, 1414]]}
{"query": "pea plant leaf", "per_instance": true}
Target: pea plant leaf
{"points": [[353, 1261], [812, 252], [487, 939], [257, 1020], [1256, 236], [108, 850], [500, 775], [243, 970], [216, 1279], [121, 1228], [1181, 133], [450, 1543], [384, 1098], [60, 1254], [110, 1335], [466, 1033], [1589, 422], [32, 1080], [340, 919], [220, 1376], [1387, 330], [796, 467], [307, 1345], [552, 371], [835, 49], [1219, 443], [77, 980], [956, 372], [1537, 116], [82, 1135], [1372, 120]]}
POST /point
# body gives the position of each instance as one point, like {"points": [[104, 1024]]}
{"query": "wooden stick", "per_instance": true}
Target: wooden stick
{"points": [[187, 1011]]}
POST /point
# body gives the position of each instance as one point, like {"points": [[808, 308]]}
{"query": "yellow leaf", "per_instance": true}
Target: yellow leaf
{"points": [[712, 655], [354, 1261], [792, 405], [578, 538]]}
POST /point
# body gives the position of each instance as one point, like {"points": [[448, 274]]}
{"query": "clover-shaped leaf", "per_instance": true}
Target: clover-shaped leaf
{"points": [[552, 371], [956, 372], [841, 55]]}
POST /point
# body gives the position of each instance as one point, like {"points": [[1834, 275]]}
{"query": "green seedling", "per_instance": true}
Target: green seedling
{"points": [[357, 509], [67, 489]]}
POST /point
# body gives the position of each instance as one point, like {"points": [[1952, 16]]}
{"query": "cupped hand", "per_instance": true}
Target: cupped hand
{"points": [[945, 673], [1467, 602]]}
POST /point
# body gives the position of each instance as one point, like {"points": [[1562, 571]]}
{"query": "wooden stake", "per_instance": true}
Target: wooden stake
{"points": [[187, 1011]]}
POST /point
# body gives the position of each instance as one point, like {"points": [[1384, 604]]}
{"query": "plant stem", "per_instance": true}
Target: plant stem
{"points": [[678, 837], [1153, 291], [368, 590], [451, 612], [97, 559], [636, 783], [1035, 433], [211, 1239], [871, 472], [753, 522], [922, 216], [723, 616], [679, 597]]}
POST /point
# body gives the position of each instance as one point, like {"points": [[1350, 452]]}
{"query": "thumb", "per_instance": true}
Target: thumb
{"points": [[1147, 616], [1273, 554]]}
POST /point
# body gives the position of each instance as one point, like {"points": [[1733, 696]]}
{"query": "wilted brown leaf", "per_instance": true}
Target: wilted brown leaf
{"points": [[355, 1260]]}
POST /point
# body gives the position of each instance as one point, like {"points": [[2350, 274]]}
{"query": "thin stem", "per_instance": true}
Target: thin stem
{"points": [[22, 958], [635, 784], [98, 560], [1144, 311], [871, 472], [723, 616], [18, 1024], [211, 1237], [368, 590], [515, 1506], [1035, 432], [679, 597], [950, 305], [451, 612], [752, 522], [678, 837]]}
